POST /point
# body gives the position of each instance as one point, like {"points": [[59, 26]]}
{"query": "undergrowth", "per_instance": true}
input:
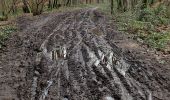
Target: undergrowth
{"points": [[150, 25], [158, 41]]}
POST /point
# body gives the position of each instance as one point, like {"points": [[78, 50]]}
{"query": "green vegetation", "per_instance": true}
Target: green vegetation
{"points": [[5, 31], [158, 40], [149, 25]]}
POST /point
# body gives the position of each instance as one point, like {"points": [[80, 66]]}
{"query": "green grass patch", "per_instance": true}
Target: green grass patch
{"points": [[5, 31]]}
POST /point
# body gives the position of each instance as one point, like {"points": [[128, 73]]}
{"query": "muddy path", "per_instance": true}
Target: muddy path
{"points": [[75, 56]]}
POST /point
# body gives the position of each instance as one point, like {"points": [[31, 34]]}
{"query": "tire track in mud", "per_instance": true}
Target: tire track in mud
{"points": [[77, 63], [71, 56]]}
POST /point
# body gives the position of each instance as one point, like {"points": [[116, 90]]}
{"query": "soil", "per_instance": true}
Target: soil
{"points": [[79, 55]]}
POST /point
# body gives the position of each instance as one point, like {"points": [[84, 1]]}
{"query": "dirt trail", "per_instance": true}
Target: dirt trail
{"points": [[75, 56]]}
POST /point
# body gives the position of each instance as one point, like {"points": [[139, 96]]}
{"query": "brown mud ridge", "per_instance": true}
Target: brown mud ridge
{"points": [[72, 56]]}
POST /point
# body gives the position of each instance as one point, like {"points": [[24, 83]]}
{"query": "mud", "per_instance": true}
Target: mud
{"points": [[77, 55]]}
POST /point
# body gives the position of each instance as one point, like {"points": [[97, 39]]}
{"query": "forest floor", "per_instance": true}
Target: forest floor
{"points": [[79, 55]]}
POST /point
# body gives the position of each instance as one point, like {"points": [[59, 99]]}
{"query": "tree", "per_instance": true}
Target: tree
{"points": [[112, 4], [37, 6], [3, 10], [168, 9], [26, 8]]}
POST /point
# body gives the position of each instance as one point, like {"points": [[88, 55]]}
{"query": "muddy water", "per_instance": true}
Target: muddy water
{"points": [[70, 56]]}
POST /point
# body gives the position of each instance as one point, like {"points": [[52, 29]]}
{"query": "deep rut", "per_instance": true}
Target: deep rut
{"points": [[71, 57]]}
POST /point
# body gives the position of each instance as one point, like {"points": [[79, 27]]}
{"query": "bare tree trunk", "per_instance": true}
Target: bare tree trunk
{"points": [[4, 10], [50, 4], [168, 9], [14, 6], [37, 6], [112, 6], [25, 7]]}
